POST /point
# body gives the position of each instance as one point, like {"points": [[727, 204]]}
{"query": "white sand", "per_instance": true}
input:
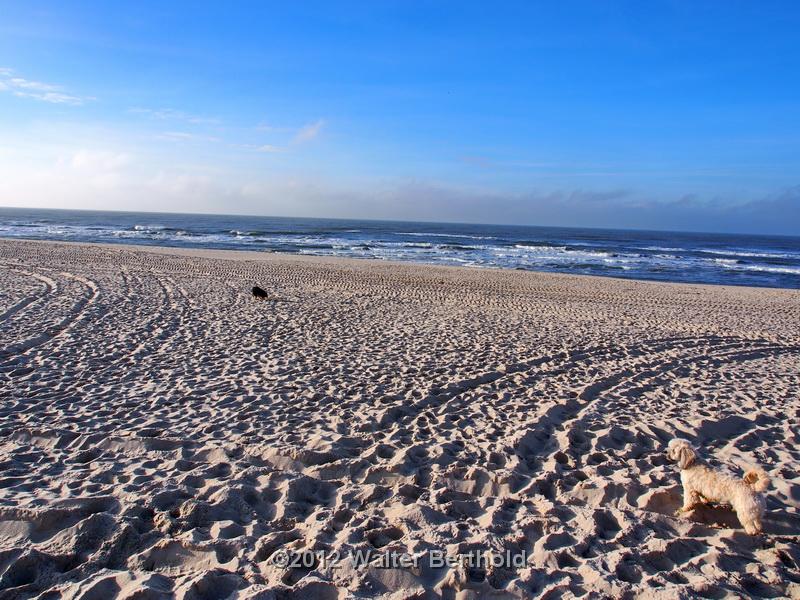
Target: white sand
{"points": [[164, 435]]}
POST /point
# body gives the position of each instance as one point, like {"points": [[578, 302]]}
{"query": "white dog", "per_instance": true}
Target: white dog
{"points": [[703, 485]]}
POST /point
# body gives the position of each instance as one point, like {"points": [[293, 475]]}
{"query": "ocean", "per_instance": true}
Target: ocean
{"points": [[725, 259]]}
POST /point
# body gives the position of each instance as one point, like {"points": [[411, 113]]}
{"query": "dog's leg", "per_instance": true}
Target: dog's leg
{"points": [[753, 527], [690, 500], [751, 524]]}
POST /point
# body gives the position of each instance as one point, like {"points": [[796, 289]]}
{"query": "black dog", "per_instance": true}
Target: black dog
{"points": [[259, 294]]}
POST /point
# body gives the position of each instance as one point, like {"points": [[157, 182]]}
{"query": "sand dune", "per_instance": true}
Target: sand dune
{"points": [[164, 435]]}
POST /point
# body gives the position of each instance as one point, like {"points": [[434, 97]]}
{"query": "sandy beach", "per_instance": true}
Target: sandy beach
{"points": [[165, 435]]}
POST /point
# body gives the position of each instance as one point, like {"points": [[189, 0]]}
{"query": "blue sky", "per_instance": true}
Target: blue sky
{"points": [[676, 115]]}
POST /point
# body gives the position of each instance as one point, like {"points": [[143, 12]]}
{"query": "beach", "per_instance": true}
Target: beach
{"points": [[166, 435]]}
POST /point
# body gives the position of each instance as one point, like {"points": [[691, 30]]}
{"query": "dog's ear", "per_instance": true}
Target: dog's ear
{"points": [[686, 456]]}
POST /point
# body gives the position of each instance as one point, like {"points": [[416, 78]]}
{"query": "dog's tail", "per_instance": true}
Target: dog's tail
{"points": [[757, 479]]}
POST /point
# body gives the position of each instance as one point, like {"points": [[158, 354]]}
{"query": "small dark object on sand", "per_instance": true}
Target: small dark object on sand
{"points": [[259, 294]]}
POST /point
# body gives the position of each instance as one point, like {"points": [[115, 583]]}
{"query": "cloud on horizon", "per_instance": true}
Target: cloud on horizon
{"points": [[113, 180], [777, 213]]}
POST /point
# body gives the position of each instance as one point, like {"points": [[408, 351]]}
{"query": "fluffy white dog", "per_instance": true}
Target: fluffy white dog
{"points": [[704, 485]]}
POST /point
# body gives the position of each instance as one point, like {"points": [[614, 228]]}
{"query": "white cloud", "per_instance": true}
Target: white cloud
{"points": [[25, 84], [291, 136], [164, 114], [45, 92], [98, 160], [185, 136], [309, 132], [264, 126], [52, 97], [269, 148]]}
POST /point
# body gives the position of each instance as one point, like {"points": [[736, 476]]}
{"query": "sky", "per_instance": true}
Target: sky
{"points": [[675, 114]]}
